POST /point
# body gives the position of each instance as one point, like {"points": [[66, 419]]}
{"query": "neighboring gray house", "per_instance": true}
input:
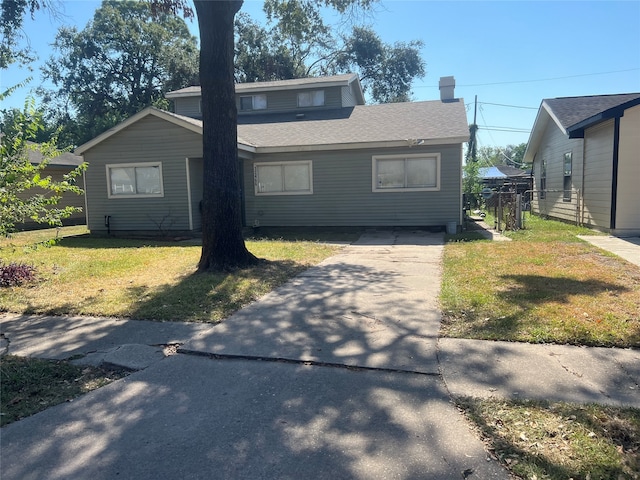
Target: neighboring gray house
{"points": [[312, 154], [586, 161], [57, 168]]}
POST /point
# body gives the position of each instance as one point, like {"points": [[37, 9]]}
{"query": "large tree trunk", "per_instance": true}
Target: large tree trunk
{"points": [[223, 247]]}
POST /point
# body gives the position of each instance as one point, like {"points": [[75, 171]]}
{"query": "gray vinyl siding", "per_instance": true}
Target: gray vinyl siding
{"points": [[628, 199], [342, 193], [149, 140], [598, 175], [348, 97], [552, 149], [188, 106], [197, 186], [284, 100], [277, 101]]}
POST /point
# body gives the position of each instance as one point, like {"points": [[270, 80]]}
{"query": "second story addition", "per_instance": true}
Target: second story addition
{"points": [[299, 95]]}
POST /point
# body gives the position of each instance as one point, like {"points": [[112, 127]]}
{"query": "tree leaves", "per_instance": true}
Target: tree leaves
{"points": [[123, 61], [298, 43]]}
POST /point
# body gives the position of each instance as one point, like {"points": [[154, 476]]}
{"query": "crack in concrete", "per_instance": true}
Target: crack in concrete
{"points": [[218, 356]]}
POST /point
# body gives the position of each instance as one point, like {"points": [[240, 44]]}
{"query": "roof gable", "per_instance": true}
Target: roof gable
{"points": [[573, 114], [185, 122], [571, 111]]}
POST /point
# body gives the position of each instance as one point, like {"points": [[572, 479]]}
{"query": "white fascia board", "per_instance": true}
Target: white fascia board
{"points": [[554, 118], [172, 95], [359, 145], [545, 114], [249, 87]]}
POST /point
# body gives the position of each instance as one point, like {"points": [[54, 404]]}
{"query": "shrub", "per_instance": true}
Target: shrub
{"points": [[15, 274]]}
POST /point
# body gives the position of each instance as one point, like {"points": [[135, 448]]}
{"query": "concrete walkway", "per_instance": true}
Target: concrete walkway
{"points": [[627, 248], [337, 374]]}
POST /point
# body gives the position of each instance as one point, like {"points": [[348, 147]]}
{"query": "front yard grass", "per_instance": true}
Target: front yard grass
{"points": [[559, 441], [144, 279], [544, 286], [30, 385]]}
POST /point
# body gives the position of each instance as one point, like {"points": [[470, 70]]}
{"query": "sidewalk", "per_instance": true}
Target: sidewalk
{"points": [[627, 248], [337, 374]]}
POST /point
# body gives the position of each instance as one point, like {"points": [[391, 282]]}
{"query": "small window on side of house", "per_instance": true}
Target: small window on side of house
{"points": [[543, 179], [137, 180], [313, 98], [253, 102], [566, 182]]}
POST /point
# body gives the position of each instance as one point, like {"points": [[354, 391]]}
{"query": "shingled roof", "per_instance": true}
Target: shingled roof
{"points": [[410, 122], [393, 124], [573, 115], [570, 111]]}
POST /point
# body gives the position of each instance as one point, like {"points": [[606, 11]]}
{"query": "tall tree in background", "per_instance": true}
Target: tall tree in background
{"points": [[125, 59], [512, 155], [300, 44]]}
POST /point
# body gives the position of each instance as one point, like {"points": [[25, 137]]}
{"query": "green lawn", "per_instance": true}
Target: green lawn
{"points": [[546, 285], [144, 279]]}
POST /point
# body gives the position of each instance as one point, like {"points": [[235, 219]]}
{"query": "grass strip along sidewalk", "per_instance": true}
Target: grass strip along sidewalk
{"points": [[546, 285]]}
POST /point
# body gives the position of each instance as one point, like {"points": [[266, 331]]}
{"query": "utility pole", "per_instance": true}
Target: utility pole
{"points": [[472, 154]]}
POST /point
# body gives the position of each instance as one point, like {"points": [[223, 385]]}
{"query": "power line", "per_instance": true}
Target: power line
{"points": [[511, 106], [534, 80], [505, 129]]}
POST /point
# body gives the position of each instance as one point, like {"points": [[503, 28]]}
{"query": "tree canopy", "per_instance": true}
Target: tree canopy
{"points": [[26, 192], [125, 59], [512, 155], [297, 42]]}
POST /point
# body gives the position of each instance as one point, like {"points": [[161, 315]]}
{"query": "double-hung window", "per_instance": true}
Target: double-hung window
{"points": [[566, 181], [313, 98], [135, 180], [283, 178], [407, 173], [253, 102]]}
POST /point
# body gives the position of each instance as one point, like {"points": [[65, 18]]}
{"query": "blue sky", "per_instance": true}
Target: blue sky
{"points": [[511, 54]]}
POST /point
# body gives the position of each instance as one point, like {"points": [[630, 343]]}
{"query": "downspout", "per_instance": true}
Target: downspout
{"points": [[614, 180], [189, 206], [584, 175], [86, 201]]}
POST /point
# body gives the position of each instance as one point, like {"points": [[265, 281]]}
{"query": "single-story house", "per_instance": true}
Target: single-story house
{"points": [[56, 168], [586, 161], [312, 154]]}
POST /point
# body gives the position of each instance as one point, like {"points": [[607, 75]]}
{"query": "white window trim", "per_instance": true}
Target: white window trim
{"points": [[273, 164], [374, 173], [136, 195]]}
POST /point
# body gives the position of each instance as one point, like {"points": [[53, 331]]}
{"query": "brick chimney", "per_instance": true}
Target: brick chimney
{"points": [[447, 86]]}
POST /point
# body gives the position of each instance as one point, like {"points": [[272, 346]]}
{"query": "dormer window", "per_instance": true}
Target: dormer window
{"points": [[314, 98], [253, 102]]}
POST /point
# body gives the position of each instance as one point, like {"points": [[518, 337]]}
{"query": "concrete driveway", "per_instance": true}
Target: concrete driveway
{"points": [[334, 375]]}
